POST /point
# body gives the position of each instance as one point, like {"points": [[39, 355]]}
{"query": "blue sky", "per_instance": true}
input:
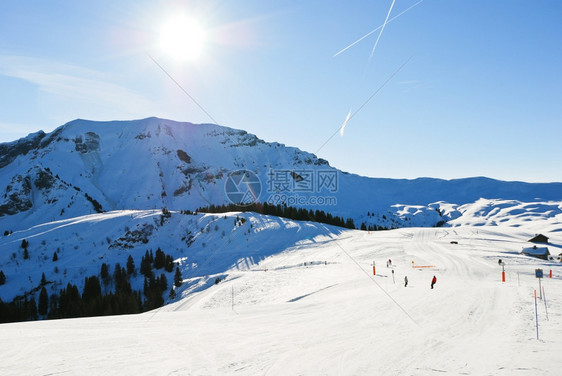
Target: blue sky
{"points": [[481, 95]]}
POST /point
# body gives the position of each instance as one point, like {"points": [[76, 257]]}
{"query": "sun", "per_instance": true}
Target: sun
{"points": [[182, 38]]}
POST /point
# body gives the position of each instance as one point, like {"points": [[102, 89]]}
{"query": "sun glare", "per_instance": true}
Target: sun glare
{"points": [[182, 38]]}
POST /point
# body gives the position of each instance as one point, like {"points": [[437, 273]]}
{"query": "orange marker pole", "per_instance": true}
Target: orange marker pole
{"points": [[503, 272], [374, 270], [550, 274]]}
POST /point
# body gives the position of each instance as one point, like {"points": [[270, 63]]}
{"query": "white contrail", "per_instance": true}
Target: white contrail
{"points": [[345, 122], [372, 31], [382, 29], [365, 103]]}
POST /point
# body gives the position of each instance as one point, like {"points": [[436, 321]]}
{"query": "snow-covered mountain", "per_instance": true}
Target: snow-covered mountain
{"points": [[85, 167]]}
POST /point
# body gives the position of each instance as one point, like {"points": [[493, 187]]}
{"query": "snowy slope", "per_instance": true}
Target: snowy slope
{"points": [[86, 166], [511, 212], [205, 246], [318, 310]]}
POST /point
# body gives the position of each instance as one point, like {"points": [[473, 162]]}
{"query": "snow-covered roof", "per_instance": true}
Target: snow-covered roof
{"points": [[536, 251]]}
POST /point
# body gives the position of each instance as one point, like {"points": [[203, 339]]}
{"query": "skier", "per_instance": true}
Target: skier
{"points": [[405, 281], [499, 261], [433, 281]]}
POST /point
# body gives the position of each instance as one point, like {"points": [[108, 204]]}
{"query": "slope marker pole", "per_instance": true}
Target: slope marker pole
{"points": [[545, 308], [536, 314], [503, 272]]}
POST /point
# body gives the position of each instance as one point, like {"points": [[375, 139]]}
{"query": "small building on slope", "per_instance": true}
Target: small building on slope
{"points": [[538, 252], [539, 238]]}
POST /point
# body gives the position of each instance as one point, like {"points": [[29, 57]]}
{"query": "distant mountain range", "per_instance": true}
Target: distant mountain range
{"points": [[86, 167]]}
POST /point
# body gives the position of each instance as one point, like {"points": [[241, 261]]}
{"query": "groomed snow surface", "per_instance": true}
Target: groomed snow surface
{"points": [[317, 309]]}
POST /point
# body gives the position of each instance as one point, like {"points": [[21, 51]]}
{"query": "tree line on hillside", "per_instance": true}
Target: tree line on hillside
{"points": [[289, 212], [93, 301]]}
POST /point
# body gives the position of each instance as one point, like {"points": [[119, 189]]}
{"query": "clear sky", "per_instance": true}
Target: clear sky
{"points": [[481, 95]]}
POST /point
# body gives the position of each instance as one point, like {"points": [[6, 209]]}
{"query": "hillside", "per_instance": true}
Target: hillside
{"points": [[204, 246]]}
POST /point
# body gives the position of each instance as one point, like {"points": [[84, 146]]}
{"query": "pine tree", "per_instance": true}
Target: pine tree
{"points": [[121, 279], [172, 294], [163, 282], [31, 309], [145, 287], [169, 263], [92, 288], [55, 256], [70, 302], [159, 259], [104, 274], [2, 278], [25, 254], [130, 265], [43, 280], [144, 265], [177, 277], [53, 307], [43, 301]]}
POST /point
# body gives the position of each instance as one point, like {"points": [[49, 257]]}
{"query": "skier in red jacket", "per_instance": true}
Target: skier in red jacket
{"points": [[433, 281]]}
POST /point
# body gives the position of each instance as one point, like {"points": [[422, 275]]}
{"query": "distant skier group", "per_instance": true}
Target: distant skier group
{"points": [[433, 281]]}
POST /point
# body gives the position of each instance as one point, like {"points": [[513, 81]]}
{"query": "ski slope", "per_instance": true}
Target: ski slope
{"points": [[316, 309]]}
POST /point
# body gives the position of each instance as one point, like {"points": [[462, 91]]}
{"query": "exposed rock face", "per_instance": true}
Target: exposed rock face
{"points": [[183, 156], [17, 197], [91, 142], [44, 180], [10, 151]]}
